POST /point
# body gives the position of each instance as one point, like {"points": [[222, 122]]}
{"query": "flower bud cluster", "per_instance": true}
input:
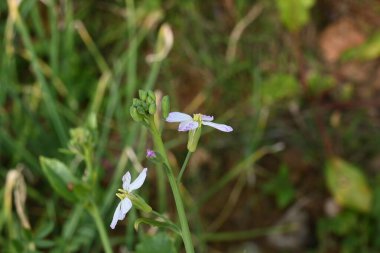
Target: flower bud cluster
{"points": [[83, 138], [143, 107]]}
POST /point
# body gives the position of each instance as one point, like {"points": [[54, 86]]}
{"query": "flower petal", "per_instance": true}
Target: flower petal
{"points": [[150, 153], [138, 181], [220, 127], [178, 117], [115, 216], [126, 180], [207, 118], [187, 125], [125, 206], [121, 210]]}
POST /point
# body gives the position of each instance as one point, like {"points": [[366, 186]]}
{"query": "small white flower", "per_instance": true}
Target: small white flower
{"points": [[188, 123], [126, 204]]}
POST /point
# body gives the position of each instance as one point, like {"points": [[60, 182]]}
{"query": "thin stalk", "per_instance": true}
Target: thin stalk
{"points": [[94, 211], [72, 222], [90, 167], [54, 40], [161, 188], [25, 154], [152, 75], [37, 23], [186, 235], [184, 165]]}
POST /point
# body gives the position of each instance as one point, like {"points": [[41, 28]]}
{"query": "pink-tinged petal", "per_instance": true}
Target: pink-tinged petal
{"points": [[207, 118], [178, 117], [138, 181], [126, 180], [187, 125], [220, 127]]}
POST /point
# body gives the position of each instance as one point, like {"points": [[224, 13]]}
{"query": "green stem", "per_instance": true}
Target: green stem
{"points": [[88, 157], [183, 167], [161, 189], [186, 235], [94, 211]]}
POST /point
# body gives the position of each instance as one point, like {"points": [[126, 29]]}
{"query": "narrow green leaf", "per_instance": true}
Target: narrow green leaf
{"points": [[44, 230], [43, 244]]}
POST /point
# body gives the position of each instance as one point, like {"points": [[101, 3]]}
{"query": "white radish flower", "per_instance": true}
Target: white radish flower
{"points": [[126, 193], [188, 123]]}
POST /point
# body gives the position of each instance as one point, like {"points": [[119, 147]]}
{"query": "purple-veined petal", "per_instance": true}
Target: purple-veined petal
{"points": [[187, 125], [220, 127], [121, 210], [126, 180], [207, 118], [138, 181], [178, 117]]}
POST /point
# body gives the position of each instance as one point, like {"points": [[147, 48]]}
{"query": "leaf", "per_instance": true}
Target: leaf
{"points": [[62, 180], [44, 244], [343, 224], [44, 230], [159, 243], [294, 13], [281, 187], [348, 185], [368, 51], [161, 224], [278, 87], [318, 83]]}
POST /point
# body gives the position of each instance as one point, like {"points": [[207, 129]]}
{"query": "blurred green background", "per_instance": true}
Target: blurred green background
{"points": [[298, 80]]}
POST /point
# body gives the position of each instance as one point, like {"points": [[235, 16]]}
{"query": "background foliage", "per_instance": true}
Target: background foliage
{"points": [[298, 81]]}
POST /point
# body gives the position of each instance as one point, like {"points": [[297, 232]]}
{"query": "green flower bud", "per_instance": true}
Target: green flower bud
{"points": [[152, 109], [193, 140], [136, 102], [92, 122], [141, 109], [151, 95], [143, 94], [165, 106], [135, 115], [149, 101]]}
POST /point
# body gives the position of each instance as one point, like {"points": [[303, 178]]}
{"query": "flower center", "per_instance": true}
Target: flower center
{"points": [[198, 118], [122, 194]]}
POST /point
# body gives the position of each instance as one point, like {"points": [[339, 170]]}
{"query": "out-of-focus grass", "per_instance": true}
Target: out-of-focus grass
{"points": [[62, 60]]}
